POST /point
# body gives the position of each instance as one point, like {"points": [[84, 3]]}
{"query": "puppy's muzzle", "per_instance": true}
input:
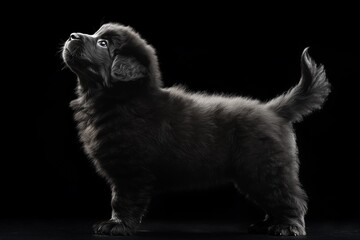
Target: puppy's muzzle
{"points": [[75, 43], [73, 49]]}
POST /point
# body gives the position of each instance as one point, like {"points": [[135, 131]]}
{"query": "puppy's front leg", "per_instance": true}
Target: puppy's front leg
{"points": [[128, 204]]}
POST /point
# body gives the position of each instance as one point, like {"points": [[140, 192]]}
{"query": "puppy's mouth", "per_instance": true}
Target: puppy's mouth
{"points": [[74, 57], [74, 45], [72, 51]]}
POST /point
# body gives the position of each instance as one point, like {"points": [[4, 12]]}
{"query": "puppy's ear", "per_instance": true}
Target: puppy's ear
{"points": [[126, 68]]}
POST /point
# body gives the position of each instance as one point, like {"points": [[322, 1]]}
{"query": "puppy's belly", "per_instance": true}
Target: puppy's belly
{"points": [[179, 175], [178, 183]]}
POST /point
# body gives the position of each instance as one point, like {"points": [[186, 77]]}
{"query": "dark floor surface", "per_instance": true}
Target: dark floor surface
{"points": [[32, 229]]}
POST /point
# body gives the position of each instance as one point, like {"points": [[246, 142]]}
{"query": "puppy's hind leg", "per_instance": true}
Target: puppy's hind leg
{"points": [[275, 187]]}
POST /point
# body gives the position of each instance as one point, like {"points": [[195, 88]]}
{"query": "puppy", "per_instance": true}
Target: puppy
{"points": [[143, 138]]}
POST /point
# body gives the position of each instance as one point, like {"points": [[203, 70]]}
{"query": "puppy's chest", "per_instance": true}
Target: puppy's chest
{"points": [[103, 131], [87, 131]]}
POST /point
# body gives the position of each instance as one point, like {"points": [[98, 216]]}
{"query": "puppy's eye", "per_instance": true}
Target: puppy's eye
{"points": [[102, 43]]}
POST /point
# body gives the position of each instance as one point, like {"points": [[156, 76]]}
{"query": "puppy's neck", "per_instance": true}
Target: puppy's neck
{"points": [[121, 92]]}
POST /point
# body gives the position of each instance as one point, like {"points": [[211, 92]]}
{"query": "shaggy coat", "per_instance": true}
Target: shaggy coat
{"points": [[144, 138]]}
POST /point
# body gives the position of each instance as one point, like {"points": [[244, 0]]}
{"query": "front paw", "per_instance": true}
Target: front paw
{"points": [[113, 228], [286, 230]]}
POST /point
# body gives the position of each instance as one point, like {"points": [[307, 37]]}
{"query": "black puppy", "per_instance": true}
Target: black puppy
{"points": [[143, 138]]}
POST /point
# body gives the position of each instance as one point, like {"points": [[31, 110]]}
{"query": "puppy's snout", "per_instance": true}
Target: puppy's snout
{"points": [[74, 36]]}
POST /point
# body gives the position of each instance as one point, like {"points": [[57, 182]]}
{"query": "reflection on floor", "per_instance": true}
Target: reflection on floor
{"points": [[31, 229]]}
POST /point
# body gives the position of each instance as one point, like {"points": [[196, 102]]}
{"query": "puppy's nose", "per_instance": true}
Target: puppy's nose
{"points": [[74, 36]]}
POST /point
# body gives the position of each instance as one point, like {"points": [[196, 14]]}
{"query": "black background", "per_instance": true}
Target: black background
{"points": [[213, 47]]}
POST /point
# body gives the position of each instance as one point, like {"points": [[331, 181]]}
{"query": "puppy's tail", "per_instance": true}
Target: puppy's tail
{"points": [[307, 96]]}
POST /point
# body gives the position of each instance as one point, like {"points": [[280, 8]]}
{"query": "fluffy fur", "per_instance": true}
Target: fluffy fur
{"points": [[144, 138]]}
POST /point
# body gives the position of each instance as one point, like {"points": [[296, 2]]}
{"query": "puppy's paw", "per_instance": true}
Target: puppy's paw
{"points": [[286, 230], [113, 228]]}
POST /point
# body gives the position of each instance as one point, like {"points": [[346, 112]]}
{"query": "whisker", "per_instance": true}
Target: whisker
{"points": [[64, 67]]}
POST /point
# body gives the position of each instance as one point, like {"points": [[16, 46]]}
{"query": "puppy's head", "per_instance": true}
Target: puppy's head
{"points": [[113, 55]]}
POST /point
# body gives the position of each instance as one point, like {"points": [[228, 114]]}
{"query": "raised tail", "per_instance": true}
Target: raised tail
{"points": [[307, 96]]}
